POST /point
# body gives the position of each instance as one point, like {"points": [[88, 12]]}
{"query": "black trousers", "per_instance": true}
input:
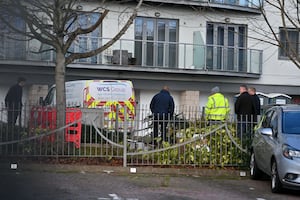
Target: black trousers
{"points": [[12, 116], [162, 122]]}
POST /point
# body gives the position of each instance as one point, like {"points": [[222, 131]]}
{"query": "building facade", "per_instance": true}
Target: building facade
{"points": [[189, 45]]}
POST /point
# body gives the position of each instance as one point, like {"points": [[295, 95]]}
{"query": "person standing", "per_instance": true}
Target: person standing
{"points": [[162, 108], [217, 107], [13, 101], [255, 99], [244, 109]]}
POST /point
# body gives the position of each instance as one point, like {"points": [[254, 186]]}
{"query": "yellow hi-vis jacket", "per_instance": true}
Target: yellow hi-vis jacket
{"points": [[217, 107]]}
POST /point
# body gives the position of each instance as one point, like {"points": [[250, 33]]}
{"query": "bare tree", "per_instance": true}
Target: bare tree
{"points": [[53, 22], [281, 26]]}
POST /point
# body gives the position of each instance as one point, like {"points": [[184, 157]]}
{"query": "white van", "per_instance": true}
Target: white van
{"points": [[107, 98], [94, 93]]}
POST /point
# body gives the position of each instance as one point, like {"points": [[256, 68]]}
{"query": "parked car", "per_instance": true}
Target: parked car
{"points": [[275, 149]]}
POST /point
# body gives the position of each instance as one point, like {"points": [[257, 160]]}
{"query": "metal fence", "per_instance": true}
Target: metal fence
{"points": [[188, 139]]}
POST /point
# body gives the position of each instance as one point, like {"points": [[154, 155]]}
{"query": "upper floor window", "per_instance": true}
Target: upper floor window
{"points": [[85, 20], [84, 43], [12, 41], [226, 47], [246, 3], [289, 39], [156, 40]]}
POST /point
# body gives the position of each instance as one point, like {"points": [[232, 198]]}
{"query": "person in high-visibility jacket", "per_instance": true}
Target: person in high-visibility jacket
{"points": [[217, 106]]}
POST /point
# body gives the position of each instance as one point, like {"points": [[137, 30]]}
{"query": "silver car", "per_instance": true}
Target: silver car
{"points": [[275, 149]]}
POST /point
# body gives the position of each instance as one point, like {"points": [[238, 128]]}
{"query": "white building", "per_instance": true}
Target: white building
{"points": [[189, 45]]}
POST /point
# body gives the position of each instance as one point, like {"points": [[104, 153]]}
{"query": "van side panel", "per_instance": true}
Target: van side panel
{"points": [[108, 91], [75, 93], [114, 97]]}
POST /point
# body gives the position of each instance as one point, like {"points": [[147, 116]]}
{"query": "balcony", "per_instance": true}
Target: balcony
{"points": [[243, 3], [147, 55], [239, 5]]}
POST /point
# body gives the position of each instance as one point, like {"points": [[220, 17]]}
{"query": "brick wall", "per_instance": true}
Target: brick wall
{"points": [[190, 101]]}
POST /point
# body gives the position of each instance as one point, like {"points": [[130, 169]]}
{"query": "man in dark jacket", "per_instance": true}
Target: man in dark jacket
{"points": [[244, 109], [13, 101], [255, 99], [162, 108]]}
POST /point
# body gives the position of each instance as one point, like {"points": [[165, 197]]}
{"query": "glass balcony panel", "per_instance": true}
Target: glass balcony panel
{"points": [[244, 3], [198, 54], [255, 61]]}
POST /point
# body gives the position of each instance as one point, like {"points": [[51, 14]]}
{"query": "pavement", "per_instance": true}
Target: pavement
{"points": [[27, 180], [190, 171]]}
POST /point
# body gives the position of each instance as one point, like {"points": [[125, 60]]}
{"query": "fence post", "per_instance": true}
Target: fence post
{"points": [[125, 138]]}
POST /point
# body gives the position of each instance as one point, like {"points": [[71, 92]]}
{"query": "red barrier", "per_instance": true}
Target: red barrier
{"points": [[44, 119], [73, 132]]}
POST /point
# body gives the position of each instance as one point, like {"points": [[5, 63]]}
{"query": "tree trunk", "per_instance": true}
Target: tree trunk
{"points": [[60, 98]]}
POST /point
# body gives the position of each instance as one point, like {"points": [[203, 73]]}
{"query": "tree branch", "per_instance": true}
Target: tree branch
{"points": [[80, 31], [75, 56]]}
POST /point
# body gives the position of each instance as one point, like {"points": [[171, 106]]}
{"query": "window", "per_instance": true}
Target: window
{"points": [[155, 43], [274, 124], [245, 3], [226, 47], [289, 39], [51, 97], [89, 41], [13, 45], [266, 122], [255, 3], [290, 122]]}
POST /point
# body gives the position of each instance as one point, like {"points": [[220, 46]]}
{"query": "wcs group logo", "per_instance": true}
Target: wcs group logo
{"points": [[111, 89], [103, 89]]}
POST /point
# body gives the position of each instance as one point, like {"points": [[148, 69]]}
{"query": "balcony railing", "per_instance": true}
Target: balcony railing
{"points": [[145, 53], [244, 3], [227, 4]]}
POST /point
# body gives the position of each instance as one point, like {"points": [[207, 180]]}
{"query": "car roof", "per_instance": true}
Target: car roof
{"points": [[285, 107], [291, 107]]}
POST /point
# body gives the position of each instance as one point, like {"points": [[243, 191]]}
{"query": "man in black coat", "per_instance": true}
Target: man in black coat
{"points": [[244, 109], [255, 99], [13, 101], [162, 108]]}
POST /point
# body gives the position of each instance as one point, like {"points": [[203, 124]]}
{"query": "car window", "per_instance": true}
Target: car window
{"points": [[290, 122], [50, 96], [274, 123], [267, 119]]}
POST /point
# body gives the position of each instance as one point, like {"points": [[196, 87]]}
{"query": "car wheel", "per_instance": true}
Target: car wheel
{"points": [[255, 172], [276, 185]]}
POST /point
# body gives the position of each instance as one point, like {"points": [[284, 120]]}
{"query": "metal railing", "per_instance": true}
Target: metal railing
{"points": [[188, 139], [245, 3], [146, 53]]}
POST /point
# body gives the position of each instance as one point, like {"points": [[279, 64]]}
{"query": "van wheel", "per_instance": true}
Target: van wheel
{"points": [[255, 172], [276, 185]]}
